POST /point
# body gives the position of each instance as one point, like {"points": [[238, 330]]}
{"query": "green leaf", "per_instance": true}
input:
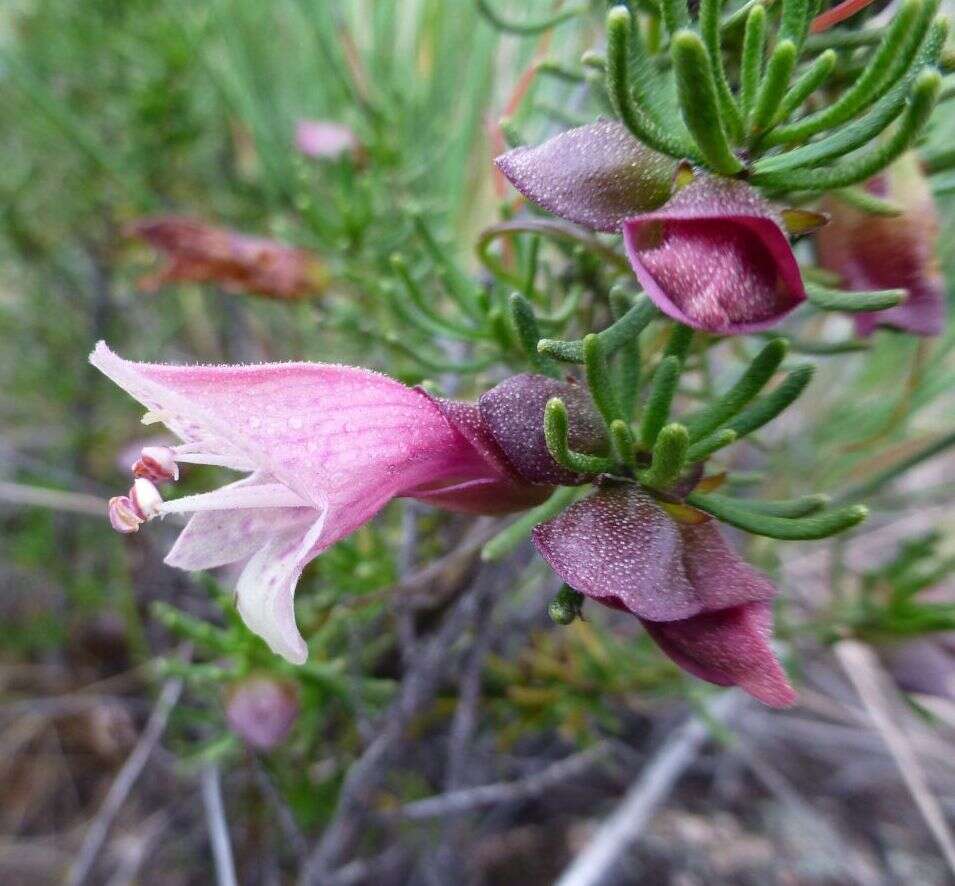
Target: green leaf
{"points": [[853, 302], [699, 102], [624, 330], [759, 372], [555, 435], [751, 63], [657, 410], [773, 88], [897, 50], [921, 104], [669, 457], [619, 27], [599, 381], [789, 529], [528, 334], [806, 84], [766, 408], [709, 24], [787, 507]]}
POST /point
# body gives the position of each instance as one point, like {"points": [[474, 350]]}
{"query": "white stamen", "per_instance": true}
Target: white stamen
{"points": [[145, 499]]}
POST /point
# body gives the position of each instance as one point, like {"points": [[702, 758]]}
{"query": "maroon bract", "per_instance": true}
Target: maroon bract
{"points": [[706, 607], [262, 711], [595, 175], [198, 252], [716, 257], [890, 252], [513, 414]]}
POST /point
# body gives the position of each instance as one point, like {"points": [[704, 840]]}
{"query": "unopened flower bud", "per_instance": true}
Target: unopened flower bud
{"points": [[157, 464], [122, 515], [566, 606], [145, 499], [262, 711]]}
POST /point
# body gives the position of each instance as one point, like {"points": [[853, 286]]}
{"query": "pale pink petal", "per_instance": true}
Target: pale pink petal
{"points": [[218, 537], [265, 593]]}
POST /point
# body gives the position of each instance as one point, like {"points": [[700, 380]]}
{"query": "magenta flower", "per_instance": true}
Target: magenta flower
{"points": [[716, 257], [325, 139], [596, 175], [705, 607], [325, 448], [890, 252], [262, 710]]}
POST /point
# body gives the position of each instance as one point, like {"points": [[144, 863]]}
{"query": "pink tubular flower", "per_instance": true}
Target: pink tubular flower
{"points": [[198, 252], [325, 139], [890, 252], [716, 257], [325, 447], [705, 607]]}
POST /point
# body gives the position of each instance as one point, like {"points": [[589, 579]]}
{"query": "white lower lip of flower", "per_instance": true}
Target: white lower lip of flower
{"points": [[145, 498]]}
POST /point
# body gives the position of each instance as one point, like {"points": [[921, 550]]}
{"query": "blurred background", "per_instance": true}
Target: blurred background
{"points": [[426, 741]]}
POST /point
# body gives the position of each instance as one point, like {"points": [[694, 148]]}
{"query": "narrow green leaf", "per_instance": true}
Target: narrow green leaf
{"points": [[788, 507], [850, 172], [628, 327], [796, 529], [766, 408], [669, 457], [806, 84], [528, 334], [680, 340], [527, 29], [622, 443], [897, 50], [657, 410], [859, 198], [751, 62], [699, 102], [619, 26], [555, 436], [759, 372], [709, 24], [795, 21], [628, 357], [440, 325], [599, 381], [676, 14], [827, 299], [773, 87], [704, 448]]}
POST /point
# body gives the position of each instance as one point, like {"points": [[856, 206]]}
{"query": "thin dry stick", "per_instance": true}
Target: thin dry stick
{"points": [[218, 827], [119, 790], [863, 669], [55, 499], [596, 863], [470, 799]]}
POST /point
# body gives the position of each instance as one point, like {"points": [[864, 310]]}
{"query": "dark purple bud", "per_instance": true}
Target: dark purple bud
{"points": [[595, 175], [262, 711], [716, 257], [890, 252], [513, 414]]}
